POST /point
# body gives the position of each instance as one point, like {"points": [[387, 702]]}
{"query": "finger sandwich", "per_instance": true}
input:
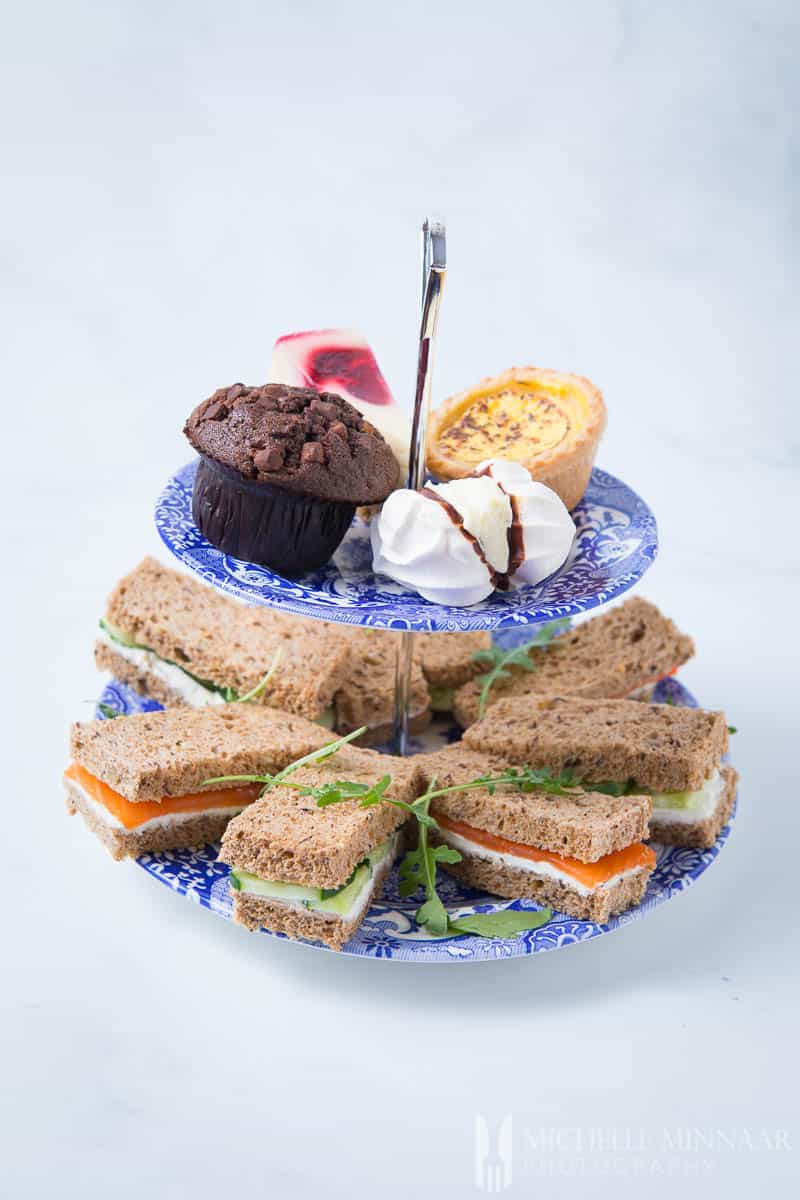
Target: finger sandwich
{"points": [[138, 781], [582, 854], [179, 642], [672, 753], [613, 655], [312, 872]]}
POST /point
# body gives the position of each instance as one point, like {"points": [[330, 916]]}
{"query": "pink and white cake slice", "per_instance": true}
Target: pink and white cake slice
{"points": [[342, 361]]}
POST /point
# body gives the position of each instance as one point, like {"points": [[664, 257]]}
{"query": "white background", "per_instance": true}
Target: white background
{"points": [[184, 182]]}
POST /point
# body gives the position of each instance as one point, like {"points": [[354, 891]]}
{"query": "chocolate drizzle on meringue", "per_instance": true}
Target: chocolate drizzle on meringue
{"points": [[500, 580]]}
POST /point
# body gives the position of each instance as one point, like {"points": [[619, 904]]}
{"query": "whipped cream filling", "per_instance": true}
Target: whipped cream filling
{"points": [[544, 870], [170, 819], [455, 542], [693, 807], [173, 677]]}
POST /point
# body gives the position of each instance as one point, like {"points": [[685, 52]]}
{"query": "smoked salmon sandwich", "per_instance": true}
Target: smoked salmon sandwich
{"points": [[139, 781], [555, 842]]}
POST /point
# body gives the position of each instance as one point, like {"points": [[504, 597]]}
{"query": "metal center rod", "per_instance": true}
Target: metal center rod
{"points": [[434, 266]]}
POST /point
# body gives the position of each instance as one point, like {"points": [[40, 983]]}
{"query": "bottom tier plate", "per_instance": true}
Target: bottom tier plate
{"points": [[389, 930]]}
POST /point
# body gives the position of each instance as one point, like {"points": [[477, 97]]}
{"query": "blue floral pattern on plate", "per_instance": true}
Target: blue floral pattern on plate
{"points": [[616, 542], [388, 930]]}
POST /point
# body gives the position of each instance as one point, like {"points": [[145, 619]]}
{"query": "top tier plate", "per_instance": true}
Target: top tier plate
{"points": [[617, 541]]}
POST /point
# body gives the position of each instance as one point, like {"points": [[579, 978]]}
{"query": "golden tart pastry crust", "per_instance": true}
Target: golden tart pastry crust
{"points": [[549, 421]]}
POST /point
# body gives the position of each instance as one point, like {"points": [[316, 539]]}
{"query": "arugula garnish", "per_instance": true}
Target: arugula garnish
{"points": [[614, 788], [519, 656], [503, 924], [271, 781], [232, 697], [108, 710], [419, 866]]}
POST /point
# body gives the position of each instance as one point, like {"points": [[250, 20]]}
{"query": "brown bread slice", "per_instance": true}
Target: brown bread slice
{"points": [[259, 912], [287, 838], [598, 905], [606, 656], [366, 697], [700, 834], [170, 753], [220, 640], [662, 747]]}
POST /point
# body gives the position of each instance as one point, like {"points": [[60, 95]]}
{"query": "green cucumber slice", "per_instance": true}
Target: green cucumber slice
{"points": [[347, 896], [682, 800], [380, 852], [256, 886], [119, 635]]}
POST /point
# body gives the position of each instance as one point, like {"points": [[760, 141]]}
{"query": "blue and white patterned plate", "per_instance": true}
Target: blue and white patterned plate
{"points": [[388, 930], [616, 542]]}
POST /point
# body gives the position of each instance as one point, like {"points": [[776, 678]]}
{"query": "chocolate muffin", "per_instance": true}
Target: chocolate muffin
{"points": [[282, 470]]}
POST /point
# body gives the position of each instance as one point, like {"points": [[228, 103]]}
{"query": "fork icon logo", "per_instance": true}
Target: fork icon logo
{"points": [[493, 1154]]}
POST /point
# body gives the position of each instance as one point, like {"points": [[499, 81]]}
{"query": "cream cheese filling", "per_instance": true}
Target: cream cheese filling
{"points": [[176, 680], [543, 870], [170, 819]]}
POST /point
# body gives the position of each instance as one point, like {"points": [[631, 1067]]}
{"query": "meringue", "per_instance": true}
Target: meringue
{"points": [[455, 543]]}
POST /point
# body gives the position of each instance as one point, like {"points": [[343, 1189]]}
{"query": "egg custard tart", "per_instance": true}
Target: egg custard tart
{"points": [[546, 420]]}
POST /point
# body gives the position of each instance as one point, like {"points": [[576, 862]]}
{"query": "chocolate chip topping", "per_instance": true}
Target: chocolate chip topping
{"points": [[309, 442]]}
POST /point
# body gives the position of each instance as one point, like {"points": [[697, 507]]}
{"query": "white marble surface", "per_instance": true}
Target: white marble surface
{"points": [[183, 183]]}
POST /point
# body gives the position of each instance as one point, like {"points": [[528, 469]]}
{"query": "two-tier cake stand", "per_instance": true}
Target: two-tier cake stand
{"points": [[615, 544]]}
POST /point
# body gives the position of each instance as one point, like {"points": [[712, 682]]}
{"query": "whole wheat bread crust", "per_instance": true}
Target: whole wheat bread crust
{"points": [[663, 747], [514, 884], [219, 639], [607, 656], [703, 834], [191, 834], [257, 912]]}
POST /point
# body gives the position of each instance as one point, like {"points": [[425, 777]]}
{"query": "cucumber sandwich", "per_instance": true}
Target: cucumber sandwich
{"points": [[619, 747], [172, 638], [312, 872]]}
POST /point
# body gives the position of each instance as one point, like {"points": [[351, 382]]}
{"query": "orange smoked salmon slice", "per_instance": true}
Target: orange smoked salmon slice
{"points": [[589, 874], [134, 814]]}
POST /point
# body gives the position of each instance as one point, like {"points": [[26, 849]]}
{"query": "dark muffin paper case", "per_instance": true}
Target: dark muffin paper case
{"points": [[285, 531]]}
